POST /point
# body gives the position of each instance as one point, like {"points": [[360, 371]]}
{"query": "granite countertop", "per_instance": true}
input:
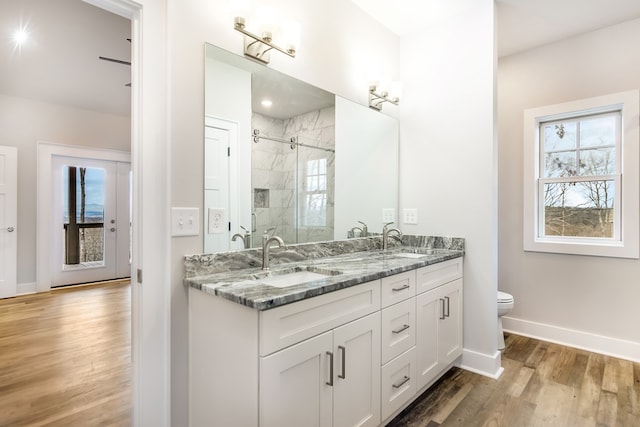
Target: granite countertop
{"points": [[244, 286]]}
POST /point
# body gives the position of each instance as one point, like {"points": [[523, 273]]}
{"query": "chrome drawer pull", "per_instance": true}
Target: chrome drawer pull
{"points": [[400, 289], [403, 382], [330, 382], [403, 328], [448, 307], [443, 302], [344, 362]]}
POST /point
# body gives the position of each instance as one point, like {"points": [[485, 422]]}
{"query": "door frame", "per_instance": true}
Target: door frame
{"points": [[44, 236]]}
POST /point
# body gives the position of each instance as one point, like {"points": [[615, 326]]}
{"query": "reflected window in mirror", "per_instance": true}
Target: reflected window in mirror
{"points": [[314, 209]]}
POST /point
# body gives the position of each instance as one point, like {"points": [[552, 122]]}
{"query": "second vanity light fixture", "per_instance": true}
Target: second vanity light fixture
{"points": [[379, 94], [259, 46]]}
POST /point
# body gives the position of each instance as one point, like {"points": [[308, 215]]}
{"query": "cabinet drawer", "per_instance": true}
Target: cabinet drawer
{"points": [[289, 324], [398, 329], [432, 276], [398, 380], [398, 287]]}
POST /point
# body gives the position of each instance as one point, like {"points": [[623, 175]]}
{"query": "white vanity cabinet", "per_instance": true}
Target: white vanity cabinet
{"points": [[352, 357], [439, 318], [329, 380]]}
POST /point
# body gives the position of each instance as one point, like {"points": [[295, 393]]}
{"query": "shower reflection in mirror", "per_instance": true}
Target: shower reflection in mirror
{"points": [[293, 175]]}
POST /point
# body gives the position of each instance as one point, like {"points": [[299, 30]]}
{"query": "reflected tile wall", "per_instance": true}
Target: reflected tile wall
{"points": [[275, 166]]}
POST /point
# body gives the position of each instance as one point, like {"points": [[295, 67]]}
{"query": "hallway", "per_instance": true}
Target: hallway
{"points": [[65, 357]]}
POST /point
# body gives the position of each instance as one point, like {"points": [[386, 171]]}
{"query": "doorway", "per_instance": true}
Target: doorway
{"points": [[91, 220]]}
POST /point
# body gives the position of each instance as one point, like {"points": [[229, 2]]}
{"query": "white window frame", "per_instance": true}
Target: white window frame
{"points": [[625, 243]]}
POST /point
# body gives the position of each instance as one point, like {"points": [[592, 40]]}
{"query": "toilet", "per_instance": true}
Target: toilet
{"points": [[505, 305]]}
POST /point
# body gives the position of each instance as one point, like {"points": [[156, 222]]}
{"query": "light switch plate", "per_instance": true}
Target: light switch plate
{"points": [[410, 216], [388, 215], [185, 221]]}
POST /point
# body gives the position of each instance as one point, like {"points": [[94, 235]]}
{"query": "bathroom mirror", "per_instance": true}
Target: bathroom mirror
{"points": [[289, 158]]}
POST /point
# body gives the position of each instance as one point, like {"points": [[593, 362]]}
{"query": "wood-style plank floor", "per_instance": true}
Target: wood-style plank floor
{"points": [[65, 357], [543, 384]]}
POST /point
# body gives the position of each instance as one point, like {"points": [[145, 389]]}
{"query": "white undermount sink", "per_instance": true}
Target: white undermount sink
{"points": [[297, 277]]}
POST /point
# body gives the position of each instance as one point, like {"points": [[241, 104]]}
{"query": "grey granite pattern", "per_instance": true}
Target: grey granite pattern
{"points": [[236, 276]]}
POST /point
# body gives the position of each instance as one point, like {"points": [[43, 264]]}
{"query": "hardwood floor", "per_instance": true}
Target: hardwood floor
{"points": [[543, 384], [65, 357]]}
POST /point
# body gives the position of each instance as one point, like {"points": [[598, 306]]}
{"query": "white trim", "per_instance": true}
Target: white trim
{"points": [[628, 245], [26, 288], [594, 343], [483, 364], [44, 237]]}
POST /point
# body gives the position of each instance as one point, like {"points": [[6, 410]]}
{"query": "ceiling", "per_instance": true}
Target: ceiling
{"points": [[522, 24], [59, 63]]}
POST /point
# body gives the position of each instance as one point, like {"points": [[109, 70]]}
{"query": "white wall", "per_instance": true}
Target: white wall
{"points": [[584, 301], [23, 123], [338, 44], [448, 158]]}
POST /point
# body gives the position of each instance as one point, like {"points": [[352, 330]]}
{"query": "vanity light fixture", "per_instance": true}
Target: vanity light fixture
{"points": [[259, 46], [377, 99]]}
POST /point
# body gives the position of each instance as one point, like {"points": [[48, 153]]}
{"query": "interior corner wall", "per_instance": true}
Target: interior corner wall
{"points": [[24, 122], [589, 302], [448, 155], [336, 60]]}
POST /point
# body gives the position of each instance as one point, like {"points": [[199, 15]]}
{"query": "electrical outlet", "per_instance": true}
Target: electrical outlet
{"points": [[217, 221], [185, 221], [410, 216], [388, 215]]}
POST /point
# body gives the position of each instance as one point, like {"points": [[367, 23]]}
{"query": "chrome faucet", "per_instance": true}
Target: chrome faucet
{"points": [[386, 233], [246, 238], [266, 244], [364, 232]]}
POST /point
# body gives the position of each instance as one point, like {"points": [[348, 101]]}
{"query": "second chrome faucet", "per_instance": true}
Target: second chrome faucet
{"points": [[266, 244], [386, 233]]}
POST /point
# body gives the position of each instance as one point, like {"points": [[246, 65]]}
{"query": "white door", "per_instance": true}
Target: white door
{"points": [[8, 220], [294, 389], [450, 328], [89, 198], [356, 392], [221, 201]]}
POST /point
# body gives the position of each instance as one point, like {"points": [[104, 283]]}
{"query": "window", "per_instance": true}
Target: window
{"points": [[581, 177], [314, 205]]}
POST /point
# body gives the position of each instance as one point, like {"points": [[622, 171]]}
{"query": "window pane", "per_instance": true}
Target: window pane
{"points": [[598, 161], [598, 131], [559, 136], [583, 209], [560, 164]]}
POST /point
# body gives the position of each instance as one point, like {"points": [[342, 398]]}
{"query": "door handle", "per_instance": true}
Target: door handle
{"points": [[442, 317], [448, 307], [330, 382], [343, 375], [10, 229]]}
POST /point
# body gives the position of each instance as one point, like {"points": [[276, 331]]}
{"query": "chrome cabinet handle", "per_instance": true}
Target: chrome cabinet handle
{"points": [[400, 289], [330, 382], [448, 307], [442, 316], [344, 362], [403, 382], [10, 229], [402, 328]]}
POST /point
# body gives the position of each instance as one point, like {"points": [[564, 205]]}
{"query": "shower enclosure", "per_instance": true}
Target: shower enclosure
{"points": [[293, 177]]}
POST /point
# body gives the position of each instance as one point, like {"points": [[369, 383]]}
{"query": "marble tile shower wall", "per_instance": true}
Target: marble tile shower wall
{"points": [[274, 179]]}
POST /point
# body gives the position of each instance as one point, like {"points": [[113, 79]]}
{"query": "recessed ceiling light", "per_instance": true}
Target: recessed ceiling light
{"points": [[266, 103], [20, 36]]}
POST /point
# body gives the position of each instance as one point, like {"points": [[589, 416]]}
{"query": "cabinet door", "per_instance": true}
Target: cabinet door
{"points": [[450, 328], [293, 385], [428, 314], [356, 392]]}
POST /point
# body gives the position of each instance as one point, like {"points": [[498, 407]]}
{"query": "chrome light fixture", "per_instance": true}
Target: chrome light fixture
{"points": [[259, 47], [377, 99]]}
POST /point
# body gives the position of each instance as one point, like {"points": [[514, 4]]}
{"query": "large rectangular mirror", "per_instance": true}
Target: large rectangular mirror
{"points": [[290, 159]]}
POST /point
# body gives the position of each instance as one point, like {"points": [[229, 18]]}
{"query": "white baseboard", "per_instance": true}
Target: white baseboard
{"points": [[615, 347], [26, 288], [483, 364]]}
